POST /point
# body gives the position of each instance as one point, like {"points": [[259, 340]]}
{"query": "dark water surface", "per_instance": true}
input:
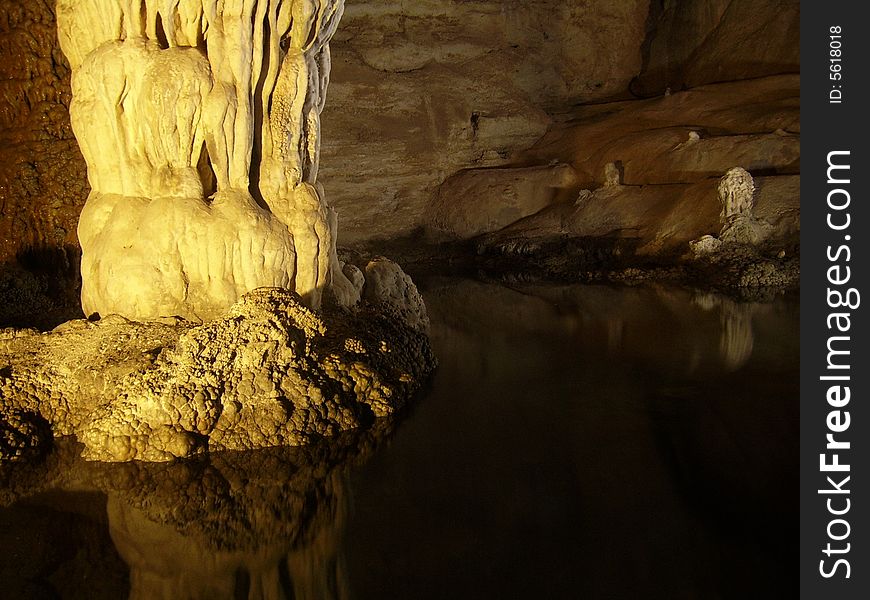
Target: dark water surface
{"points": [[576, 442]]}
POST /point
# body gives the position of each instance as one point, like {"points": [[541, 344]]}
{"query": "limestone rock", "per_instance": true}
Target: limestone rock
{"points": [[484, 200], [739, 225], [665, 195], [751, 123], [43, 181], [179, 256], [656, 157], [658, 219], [22, 435], [387, 285], [271, 372], [422, 90], [707, 244], [736, 193]]}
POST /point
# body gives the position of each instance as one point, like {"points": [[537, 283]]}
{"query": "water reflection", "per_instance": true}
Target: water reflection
{"points": [[576, 442], [738, 338], [668, 329], [263, 524], [589, 442]]}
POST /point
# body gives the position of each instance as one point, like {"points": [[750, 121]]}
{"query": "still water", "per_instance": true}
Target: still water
{"points": [[575, 442]]}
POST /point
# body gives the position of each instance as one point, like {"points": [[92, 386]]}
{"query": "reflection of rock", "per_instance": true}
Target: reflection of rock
{"points": [[271, 372], [738, 338], [265, 536], [705, 334], [266, 524]]}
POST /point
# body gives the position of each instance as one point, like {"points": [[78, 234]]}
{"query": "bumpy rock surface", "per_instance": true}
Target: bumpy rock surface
{"points": [[43, 182], [270, 373], [200, 124]]}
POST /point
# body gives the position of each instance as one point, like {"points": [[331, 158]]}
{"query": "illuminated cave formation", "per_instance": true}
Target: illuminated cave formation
{"points": [[199, 121], [170, 99]]}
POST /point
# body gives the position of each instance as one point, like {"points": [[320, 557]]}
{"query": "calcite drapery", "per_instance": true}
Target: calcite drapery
{"points": [[199, 121]]}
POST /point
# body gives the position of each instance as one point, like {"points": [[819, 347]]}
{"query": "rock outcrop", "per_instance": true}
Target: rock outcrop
{"points": [[424, 89], [696, 43], [481, 201], [43, 179], [647, 183], [270, 373]]}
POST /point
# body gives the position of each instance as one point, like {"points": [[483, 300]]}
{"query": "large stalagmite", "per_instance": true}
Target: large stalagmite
{"points": [[199, 121]]}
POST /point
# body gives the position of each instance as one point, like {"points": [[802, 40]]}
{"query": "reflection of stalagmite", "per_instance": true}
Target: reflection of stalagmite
{"points": [[163, 87], [167, 563], [738, 338]]}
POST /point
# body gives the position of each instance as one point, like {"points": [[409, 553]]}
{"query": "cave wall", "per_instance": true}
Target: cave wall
{"points": [[43, 180], [423, 89], [420, 91], [714, 41]]}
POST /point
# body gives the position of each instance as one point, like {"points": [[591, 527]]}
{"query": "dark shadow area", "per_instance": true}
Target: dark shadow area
{"points": [[41, 288], [590, 442]]}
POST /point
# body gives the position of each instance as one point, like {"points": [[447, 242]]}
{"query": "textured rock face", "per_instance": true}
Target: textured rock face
{"points": [[644, 177], [739, 224], [200, 124], [483, 200], [695, 43], [270, 373], [42, 175]]}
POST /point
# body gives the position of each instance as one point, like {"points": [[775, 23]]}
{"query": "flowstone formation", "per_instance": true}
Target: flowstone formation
{"points": [[220, 317], [746, 256], [199, 121]]}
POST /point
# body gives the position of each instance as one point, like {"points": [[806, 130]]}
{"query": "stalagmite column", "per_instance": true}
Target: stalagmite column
{"points": [[200, 122]]}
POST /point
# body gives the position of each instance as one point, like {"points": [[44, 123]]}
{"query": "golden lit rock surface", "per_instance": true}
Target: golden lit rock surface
{"points": [[270, 373], [200, 124]]}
